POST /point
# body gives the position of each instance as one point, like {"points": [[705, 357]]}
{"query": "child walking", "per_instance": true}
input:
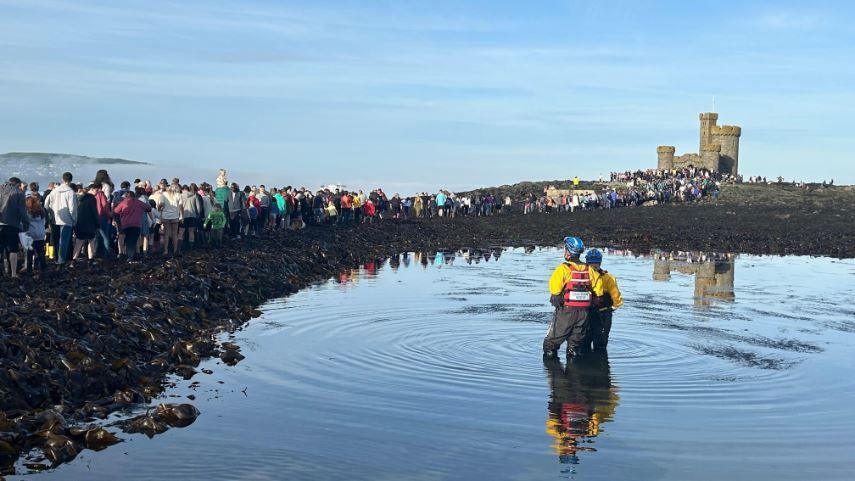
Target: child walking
{"points": [[216, 220]]}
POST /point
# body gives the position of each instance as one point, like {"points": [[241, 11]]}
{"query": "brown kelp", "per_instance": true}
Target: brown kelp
{"points": [[78, 344]]}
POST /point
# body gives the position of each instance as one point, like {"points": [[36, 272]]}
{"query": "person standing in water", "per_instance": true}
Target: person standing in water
{"points": [[606, 299], [570, 294]]}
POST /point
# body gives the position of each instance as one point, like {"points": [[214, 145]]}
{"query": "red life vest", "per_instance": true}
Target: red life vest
{"points": [[577, 290]]}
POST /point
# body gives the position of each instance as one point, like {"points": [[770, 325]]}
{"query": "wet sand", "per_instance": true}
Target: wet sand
{"points": [[95, 340]]}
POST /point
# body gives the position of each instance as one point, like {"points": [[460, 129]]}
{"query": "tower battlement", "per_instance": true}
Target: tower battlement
{"points": [[726, 130], [662, 149]]}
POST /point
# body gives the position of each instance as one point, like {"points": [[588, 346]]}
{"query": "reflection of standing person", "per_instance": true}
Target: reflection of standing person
{"points": [[582, 398]]}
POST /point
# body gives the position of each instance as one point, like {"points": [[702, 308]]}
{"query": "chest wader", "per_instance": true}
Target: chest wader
{"points": [[600, 321], [570, 321]]}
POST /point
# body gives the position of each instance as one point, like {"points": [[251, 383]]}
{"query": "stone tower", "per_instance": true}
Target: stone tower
{"points": [[665, 154], [727, 136], [708, 120], [718, 148], [711, 157]]}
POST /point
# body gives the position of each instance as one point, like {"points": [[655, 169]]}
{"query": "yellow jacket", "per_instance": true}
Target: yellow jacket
{"points": [[601, 281], [561, 275], [606, 283]]}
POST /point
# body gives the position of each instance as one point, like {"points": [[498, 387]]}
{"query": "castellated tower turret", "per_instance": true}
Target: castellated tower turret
{"points": [[665, 153], [708, 120], [728, 137], [711, 157]]}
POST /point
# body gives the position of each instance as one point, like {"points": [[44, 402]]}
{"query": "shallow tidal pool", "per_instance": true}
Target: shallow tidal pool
{"points": [[428, 367]]}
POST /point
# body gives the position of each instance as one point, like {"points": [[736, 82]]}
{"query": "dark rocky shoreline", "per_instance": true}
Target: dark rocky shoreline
{"points": [[80, 343]]}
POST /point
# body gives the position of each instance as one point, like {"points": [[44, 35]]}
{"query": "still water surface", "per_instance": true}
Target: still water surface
{"points": [[429, 368]]}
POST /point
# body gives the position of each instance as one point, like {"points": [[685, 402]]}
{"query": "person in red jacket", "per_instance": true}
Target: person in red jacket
{"points": [[130, 212], [105, 218], [370, 210], [254, 210]]}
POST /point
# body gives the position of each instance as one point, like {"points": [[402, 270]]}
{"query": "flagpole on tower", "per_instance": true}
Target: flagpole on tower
{"points": [[713, 103]]}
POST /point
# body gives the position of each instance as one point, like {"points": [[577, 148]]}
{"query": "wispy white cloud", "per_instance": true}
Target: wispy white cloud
{"points": [[444, 82], [791, 20]]}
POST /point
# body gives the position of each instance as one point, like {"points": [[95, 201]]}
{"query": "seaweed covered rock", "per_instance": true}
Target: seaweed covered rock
{"points": [[76, 345]]}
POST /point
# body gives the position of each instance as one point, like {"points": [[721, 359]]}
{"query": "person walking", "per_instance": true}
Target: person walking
{"points": [[570, 294], [107, 187], [13, 221], [87, 225], [346, 205], [236, 202], [36, 232], [191, 211], [606, 299], [264, 211], [105, 217], [131, 212], [216, 220], [418, 206], [149, 222], [356, 202], [62, 205], [168, 202], [440, 203]]}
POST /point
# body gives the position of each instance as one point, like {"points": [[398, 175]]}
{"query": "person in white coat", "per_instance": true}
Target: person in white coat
{"points": [[62, 202]]}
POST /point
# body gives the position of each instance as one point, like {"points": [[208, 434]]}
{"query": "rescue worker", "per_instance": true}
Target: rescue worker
{"points": [[582, 398], [570, 294], [606, 299]]}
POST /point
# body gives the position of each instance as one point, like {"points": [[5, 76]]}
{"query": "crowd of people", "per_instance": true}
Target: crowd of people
{"points": [[681, 185], [334, 206], [70, 221], [637, 188], [756, 179]]}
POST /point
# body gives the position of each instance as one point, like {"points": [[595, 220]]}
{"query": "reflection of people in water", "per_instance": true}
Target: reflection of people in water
{"points": [[370, 268], [582, 399]]}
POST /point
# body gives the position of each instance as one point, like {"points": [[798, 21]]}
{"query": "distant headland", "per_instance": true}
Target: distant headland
{"points": [[45, 158]]}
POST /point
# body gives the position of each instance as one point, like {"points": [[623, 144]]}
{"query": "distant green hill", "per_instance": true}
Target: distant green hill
{"points": [[54, 158]]}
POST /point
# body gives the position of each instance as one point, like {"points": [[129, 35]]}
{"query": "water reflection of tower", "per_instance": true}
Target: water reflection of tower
{"points": [[582, 399], [714, 280], [714, 273]]}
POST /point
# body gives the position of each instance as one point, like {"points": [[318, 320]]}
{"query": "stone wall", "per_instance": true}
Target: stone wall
{"points": [[686, 160]]}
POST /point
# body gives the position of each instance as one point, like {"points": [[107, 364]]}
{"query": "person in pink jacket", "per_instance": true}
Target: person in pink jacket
{"points": [[130, 212]]}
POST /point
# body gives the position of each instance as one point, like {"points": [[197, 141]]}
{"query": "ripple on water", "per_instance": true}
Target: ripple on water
{"points": [[437, 374]]}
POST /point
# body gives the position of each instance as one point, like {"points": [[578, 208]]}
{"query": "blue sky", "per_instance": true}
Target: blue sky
{"points": [[417, 95]]}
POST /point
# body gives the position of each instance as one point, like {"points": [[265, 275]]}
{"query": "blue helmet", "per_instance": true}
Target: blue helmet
{"points": [[574, 245], [594, 256]]}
